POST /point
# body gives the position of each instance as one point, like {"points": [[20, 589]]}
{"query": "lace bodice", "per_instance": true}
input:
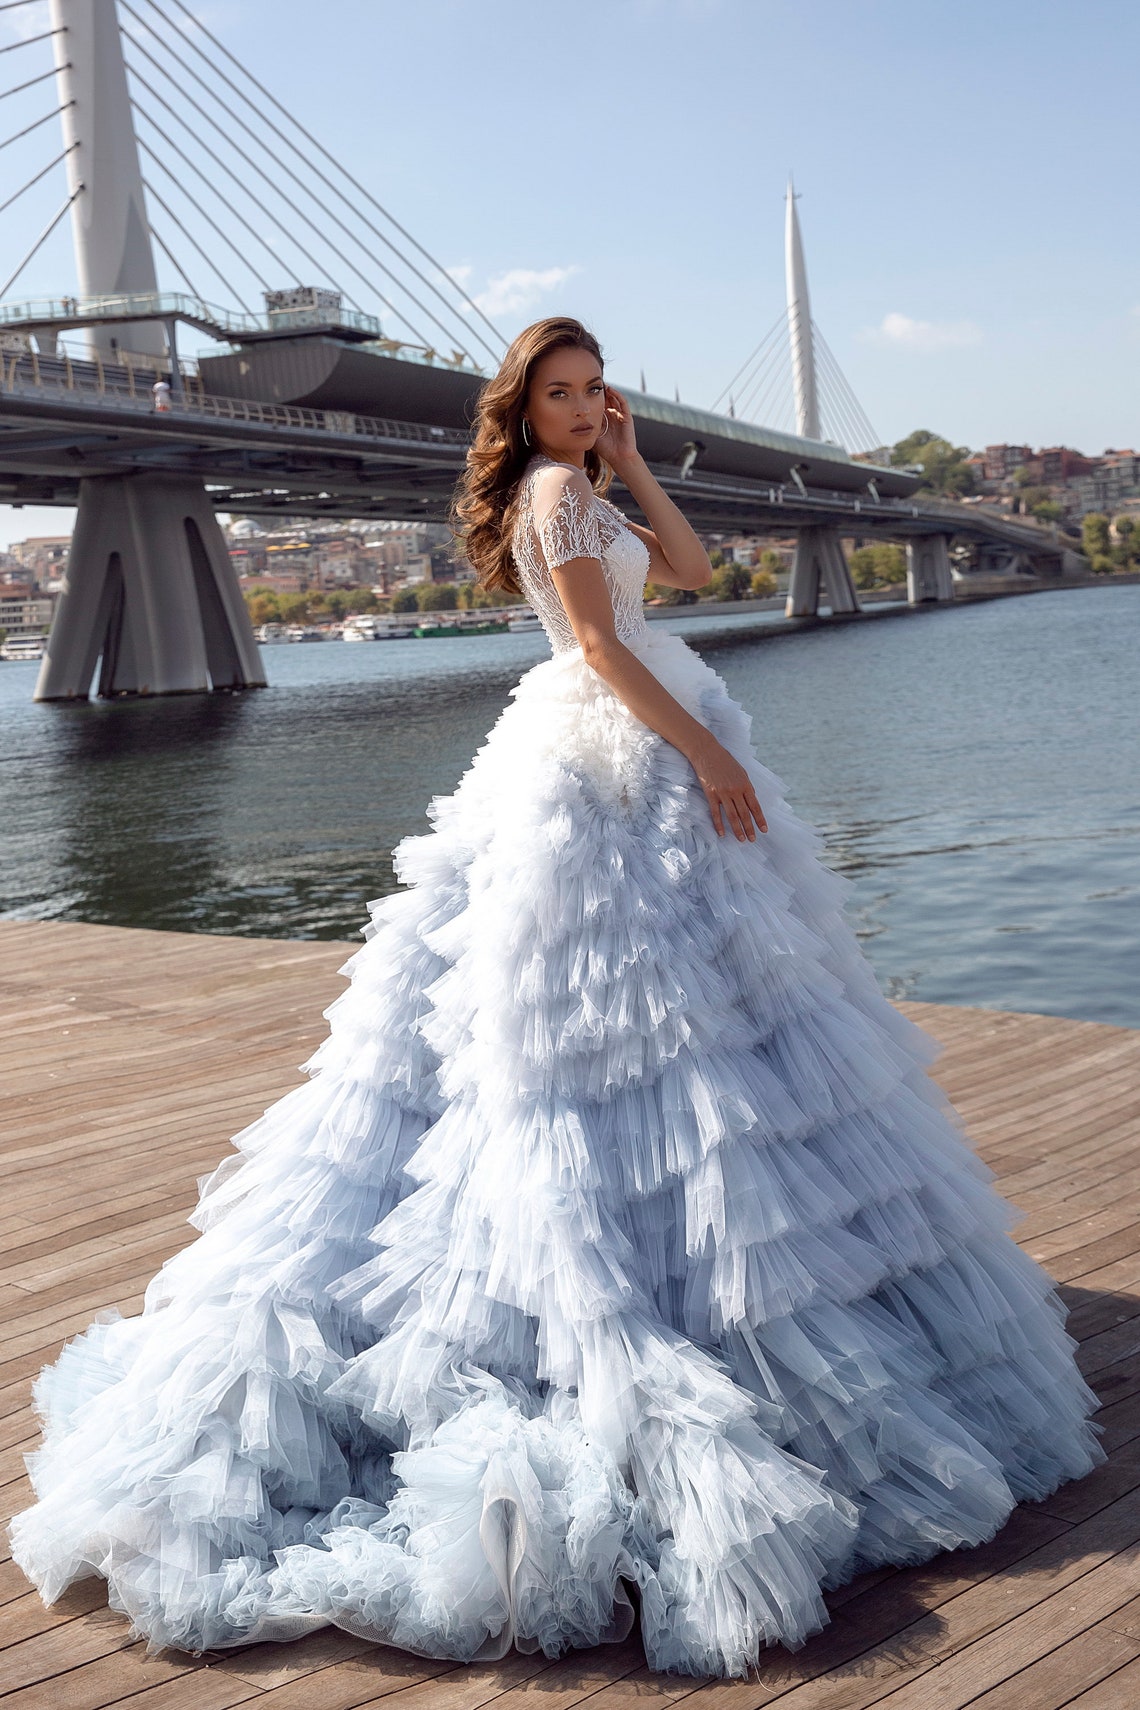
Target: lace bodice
{"points": [[556, 521]]}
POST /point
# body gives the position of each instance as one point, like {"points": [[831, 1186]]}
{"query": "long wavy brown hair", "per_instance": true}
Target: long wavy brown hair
{"points": [[483, 511]]}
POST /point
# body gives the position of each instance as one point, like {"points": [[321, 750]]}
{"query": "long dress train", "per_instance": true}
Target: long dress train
{"points": [[618, 1240]]}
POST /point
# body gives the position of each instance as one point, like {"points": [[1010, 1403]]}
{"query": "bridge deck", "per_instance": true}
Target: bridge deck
{"points": [[128, 1058]]}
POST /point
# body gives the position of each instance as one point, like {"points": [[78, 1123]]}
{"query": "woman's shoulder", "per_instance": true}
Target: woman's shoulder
{"points": [[552, 485]]}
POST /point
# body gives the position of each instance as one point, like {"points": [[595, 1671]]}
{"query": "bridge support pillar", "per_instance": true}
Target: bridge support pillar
{"points": [[150, 596], [928, 569], [819, 566]]}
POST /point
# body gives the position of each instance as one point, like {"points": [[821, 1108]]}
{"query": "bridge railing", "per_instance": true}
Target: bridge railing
{"points": [[165, 306], [33, 374]]}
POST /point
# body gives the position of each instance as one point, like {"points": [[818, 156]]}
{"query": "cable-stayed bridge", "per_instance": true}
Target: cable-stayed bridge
{"points": [[352, 398]]}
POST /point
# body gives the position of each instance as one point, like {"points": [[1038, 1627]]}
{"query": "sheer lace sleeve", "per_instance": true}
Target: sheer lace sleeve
{"points": [[565, 517]]}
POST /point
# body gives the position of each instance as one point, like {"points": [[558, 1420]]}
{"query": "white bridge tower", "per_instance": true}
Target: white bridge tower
{"points": [[150, 591], [819, 563]]}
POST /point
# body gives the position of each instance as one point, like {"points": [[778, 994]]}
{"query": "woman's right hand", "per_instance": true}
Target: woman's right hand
{"points": [[728, 788]]}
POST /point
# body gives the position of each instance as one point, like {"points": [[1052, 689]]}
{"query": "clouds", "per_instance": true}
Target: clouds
{"points": [[925, 336], [517, 289], [28, 21]]}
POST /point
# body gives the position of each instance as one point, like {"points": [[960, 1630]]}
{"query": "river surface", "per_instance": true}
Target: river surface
{"points": [[975, 771]]}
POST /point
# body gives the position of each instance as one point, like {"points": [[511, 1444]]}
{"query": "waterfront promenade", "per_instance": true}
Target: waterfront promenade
{"points": [[128, 1059]]}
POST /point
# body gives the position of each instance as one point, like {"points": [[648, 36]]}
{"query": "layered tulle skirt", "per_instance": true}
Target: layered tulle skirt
{"points": [[618, 1254]]}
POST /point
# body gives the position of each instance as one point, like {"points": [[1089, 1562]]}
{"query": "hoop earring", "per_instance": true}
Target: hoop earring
{"points": [[605, 427], [526, 431]]}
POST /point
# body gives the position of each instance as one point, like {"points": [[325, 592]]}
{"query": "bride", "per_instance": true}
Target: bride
{"points": [[619, 1260]]}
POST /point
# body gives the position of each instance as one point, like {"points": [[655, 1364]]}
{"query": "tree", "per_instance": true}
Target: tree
{"points": [[945, 471], [404, 600], [763, 584], [878, 566], [361, 600], [473, 598], [732, 582], [1047, 511], [293, 608], [263, 605], [437, 597], [1095, 537]]}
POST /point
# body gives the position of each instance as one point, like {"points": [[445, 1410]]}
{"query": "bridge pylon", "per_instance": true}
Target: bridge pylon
{"points": [[819, 562], [150, 597], [928, 574], [149, 588], [820, 567]]}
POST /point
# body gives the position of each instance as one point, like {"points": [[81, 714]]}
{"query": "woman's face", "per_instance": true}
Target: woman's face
{"points": [[566, 403]]}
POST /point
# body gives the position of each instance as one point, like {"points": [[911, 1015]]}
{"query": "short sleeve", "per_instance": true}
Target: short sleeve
{"points": [[565, 519]]}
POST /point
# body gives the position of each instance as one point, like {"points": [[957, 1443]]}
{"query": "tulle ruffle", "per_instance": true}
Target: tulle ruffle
{"points": [[618, 1249]]}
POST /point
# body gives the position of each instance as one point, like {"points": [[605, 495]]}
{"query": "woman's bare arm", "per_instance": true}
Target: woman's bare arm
{"points": [[676, 557]]}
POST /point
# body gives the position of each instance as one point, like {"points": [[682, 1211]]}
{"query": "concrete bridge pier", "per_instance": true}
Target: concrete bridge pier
{"points": [[928, 569], [819, 565], [150, 596]]}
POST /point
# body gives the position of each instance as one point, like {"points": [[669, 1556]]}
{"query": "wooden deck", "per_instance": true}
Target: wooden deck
{"points": [[127, 1061]]}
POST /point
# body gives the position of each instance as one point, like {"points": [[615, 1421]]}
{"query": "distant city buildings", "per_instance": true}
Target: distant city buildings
{"points": [[296, 557], [1077, 483]]}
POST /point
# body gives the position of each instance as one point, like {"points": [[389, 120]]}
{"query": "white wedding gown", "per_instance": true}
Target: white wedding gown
{"points": [[619, 1249]]}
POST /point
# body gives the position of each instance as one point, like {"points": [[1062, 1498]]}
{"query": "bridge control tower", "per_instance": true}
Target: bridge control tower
{"points": [[149, 591], [819, 565]]}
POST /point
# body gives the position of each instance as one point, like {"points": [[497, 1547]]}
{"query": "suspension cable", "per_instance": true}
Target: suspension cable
{"points": [[356, 185], [44, 36], [176, 264], [41, 240], [763, 375], [281, 226], [448, 332], [43, 172], [15, 90], [839, 412], [144, 113], [212, 265], [747, 362], [863, 422], [859, 423], [16, 135], [10, 5], [773, 390], [242, 257]]}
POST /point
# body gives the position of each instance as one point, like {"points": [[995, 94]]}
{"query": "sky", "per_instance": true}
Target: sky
{"points": [[965, 172]]}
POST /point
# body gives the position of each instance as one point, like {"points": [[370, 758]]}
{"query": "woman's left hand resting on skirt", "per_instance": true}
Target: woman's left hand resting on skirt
{"points": [[582, 588]]}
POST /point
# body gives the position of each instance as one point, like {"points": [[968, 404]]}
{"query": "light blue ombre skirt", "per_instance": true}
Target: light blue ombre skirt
{"points": [[619, 1254]]}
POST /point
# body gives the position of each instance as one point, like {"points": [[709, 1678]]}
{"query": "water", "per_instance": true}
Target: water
{"points": [[975, 772]]}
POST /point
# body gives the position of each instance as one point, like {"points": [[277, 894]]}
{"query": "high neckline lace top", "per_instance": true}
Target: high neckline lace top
{"points": [[556, 522]]}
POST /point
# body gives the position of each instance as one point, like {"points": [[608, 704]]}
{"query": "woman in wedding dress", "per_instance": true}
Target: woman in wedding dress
{"points": [[619, 1260]]}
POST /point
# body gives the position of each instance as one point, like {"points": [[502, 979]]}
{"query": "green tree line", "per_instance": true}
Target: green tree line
{"points": [[1109, 545]]}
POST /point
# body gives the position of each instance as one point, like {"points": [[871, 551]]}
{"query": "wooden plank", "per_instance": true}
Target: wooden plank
{"points": [[126, 1086], [1052, 1681], [1120, 1691]]}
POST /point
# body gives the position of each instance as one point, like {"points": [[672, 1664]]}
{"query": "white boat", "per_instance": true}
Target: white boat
{"points": [[18, 647], [523, 621], [269, 632], [362, 627], [304, 632]]}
